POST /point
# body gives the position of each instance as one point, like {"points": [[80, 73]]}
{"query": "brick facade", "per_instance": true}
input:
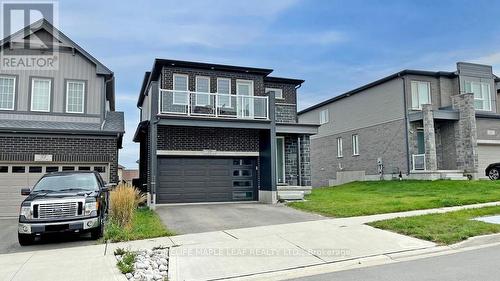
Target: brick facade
{"points": [[204, 138], [77, 149]]}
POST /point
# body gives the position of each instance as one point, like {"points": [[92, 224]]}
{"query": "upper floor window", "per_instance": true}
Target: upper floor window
{"points": [[323, 116], [355, 145], [339, 147], [75, 96], [181, 95], [7, 92], [40, 94], [482, 94], [420, 94], [202, 90], [244, 87], [278, 93], [224, 90]]}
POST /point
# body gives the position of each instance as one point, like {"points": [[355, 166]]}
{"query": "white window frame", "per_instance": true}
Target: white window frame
{"points": [[483, 98], [355, 145], [13, 94], [324, 116], [196, 88], [230, 99], [174, 90], [83, 96], [340, 147], [249, 82], [241, 103], [418, 105], [32, 92], [276, 91]]}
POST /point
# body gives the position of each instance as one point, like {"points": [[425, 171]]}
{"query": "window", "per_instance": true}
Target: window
{"points": [[100, 169], [355, 145], [339, 147], [420, 94], [244, 88], [35, 169], [202, 86], [482, 94], [7, 92], [75, 96], [4, 169], [52, 169], [323, 117], [224, 90], [68, 168], [278, 93], [18, 169], [40, 94], [181, 95]]}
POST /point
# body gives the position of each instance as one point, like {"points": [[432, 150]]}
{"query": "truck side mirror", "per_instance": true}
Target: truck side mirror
{"points": [[25, 191]]}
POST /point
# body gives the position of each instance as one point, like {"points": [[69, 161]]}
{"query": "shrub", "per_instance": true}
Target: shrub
{"points": [[126, 264], [124, 199]]}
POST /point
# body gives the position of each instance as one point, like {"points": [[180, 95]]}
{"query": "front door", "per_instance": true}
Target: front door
{"points": [[280, 160], [245, 101]]}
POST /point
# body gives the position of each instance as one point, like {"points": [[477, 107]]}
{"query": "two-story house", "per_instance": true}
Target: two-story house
{"points": [[58, 119], [424, 124], [217, 133]]}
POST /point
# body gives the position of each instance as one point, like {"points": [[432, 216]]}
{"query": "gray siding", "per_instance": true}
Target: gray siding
{"points": [[71, 67], [484, 125], [377, 105]]}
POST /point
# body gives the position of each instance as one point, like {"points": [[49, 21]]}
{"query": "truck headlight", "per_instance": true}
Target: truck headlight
{"points": [[91, 208], [25, 211]]}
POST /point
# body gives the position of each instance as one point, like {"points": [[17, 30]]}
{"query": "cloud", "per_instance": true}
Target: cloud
{"points": [[490, 59]]}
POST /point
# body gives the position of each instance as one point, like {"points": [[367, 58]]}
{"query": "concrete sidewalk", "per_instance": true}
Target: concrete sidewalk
{"points": [[237, 253]]}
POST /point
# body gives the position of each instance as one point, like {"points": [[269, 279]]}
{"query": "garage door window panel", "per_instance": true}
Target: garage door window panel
{"points": [[35, 169], [52, 169], [4, 169], [18, 169]]}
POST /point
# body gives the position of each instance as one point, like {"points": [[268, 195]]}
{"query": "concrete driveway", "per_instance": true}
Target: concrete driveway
{"points": [[9, 244], [196, 218]]}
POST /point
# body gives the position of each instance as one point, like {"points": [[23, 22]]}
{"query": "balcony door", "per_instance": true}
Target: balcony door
{"points": [[245, 103]]}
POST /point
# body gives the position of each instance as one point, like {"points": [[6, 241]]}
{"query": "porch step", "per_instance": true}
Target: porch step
{"points": [[290, 195], [305, 189], [455, 177]]}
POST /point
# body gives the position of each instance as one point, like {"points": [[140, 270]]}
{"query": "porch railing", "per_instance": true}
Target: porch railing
{"points": [[213, 105], [418, 161]]}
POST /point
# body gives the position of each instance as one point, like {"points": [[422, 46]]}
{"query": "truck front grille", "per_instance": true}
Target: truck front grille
{"points": [[57, 210]]}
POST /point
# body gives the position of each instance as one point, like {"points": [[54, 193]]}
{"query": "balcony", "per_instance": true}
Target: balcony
{"points": [[197, 104], [418, 162]]}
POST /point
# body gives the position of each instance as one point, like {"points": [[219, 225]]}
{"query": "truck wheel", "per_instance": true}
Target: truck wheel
{"points": [[97, 233], [494, 174], [25, 239]]}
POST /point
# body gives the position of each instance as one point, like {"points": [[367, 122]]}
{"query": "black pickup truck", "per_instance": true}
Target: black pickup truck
{"points": [[64, 202]]}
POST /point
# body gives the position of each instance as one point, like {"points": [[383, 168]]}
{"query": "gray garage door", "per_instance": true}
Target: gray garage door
{"points": [[189, 180]]}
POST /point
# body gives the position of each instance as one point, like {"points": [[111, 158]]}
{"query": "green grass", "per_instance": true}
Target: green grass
{"points": [[447, 228], [368, 198], [146, 224], [126, 265]]}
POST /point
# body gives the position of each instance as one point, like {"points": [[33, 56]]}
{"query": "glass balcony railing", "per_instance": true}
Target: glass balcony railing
{"points": [[213, 105]]}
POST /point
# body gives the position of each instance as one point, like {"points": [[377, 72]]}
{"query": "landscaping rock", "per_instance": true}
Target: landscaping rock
{"points": [[149, 265]]}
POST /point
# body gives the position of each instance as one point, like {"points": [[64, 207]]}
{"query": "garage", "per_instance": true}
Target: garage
{"points": [[206, 179], [487, 154], [13, 177]]}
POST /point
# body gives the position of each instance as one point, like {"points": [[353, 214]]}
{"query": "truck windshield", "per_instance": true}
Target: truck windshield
{"points": [[82, 181]]}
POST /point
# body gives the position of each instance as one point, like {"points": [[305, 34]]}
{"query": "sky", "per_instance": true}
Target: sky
{"points": [[335, 46]]}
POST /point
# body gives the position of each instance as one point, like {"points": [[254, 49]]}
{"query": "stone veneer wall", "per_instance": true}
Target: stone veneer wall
{"points": [[466, 133]]}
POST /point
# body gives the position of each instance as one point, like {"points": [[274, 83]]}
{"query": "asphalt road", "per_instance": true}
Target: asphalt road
{"points": [[9, 244], [476, 265]]}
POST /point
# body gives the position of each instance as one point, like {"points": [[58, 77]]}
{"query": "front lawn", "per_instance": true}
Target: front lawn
{"points": [[376, 197], [145, 224], [447, 228]]}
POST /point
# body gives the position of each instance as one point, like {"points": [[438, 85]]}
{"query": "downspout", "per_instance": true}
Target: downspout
{"points": [[406, 126]]}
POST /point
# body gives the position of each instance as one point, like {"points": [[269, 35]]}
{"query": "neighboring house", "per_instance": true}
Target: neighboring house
{"points": [[423, 124], [54, 120], [212, 133], [127, 175]]}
